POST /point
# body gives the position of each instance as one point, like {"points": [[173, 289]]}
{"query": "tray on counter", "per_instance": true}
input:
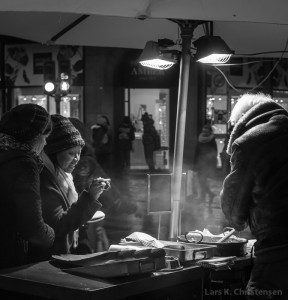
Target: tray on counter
{"points": [[113, 264], [186, 252], [228, 248]]}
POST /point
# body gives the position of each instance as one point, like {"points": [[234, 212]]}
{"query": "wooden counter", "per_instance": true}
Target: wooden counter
{"points": [[46, 280]]}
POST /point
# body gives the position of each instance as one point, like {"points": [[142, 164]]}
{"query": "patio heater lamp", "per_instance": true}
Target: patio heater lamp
{"points": [[212, 50], [154, 58]]}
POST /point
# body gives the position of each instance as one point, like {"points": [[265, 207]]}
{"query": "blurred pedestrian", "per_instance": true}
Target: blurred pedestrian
{"points": [[102, 142], [205, 161], [150, 140], [91, 234], [88, 169], [23, 131], [126, 136]]}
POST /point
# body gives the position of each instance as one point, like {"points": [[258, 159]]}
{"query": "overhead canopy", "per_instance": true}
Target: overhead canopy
{"points": [[246, 26]]}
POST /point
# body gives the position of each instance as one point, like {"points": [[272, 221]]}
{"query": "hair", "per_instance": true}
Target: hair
{"points": [[245, 103], [53, 158]]}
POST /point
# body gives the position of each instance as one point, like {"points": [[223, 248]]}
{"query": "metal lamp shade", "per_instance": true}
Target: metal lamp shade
{"points": [[152, 57], [212, 49]]}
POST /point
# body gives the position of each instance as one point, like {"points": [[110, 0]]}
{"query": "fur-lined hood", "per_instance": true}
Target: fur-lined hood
{"points": [[259, 114]]}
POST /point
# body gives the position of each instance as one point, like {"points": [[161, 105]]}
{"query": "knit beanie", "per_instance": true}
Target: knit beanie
{"points": [[25, 122], [64, 135]]}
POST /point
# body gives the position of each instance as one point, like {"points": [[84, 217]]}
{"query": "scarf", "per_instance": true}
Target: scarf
{"points": [[65, 183], [8, 143]]}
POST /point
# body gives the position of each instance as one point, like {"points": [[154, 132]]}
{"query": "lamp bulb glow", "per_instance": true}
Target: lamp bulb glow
{"points": [[64, 86], [49, 87]]}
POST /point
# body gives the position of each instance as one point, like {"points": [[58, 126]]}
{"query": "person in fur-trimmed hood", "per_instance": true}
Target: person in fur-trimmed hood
{"points": [[255, 193]]}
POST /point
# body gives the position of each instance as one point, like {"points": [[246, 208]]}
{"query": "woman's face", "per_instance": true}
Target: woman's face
{"points": [[69, 158], [39, 143]]}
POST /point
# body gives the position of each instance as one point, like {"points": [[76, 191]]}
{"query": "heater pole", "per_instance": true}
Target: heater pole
{"points": [[187, 29]]}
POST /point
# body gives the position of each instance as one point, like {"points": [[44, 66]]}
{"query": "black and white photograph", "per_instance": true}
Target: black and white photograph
{"points": [[144, 150]]}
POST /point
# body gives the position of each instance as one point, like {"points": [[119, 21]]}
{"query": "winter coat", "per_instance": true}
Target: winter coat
{"points": [[102, 139], [126, 135], [20, 206], [205, 158], [256, 190], [61, 212], [150, 136]]}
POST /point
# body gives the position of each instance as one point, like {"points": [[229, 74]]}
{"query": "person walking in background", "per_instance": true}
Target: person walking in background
{"points": [[84, 171], [205, 161], [63, 209], [255, 192], [150, 140], [92, 236], [102, 143], [126, 136], [23, 131], [88, 169]]}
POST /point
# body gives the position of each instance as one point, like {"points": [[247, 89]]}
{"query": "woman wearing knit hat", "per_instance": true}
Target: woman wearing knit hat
{"points": [[63, 209], [23, 131]]}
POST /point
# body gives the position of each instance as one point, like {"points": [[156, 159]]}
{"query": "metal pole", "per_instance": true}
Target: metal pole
{"points": [[57, 102], [2, 78], [175, 221]]}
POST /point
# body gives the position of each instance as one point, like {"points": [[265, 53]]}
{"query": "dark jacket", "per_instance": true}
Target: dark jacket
{"points": [[256, 190], [62, 215], [102, 139], [20, 206], [150, 136], [205, 158], [126, 135]]}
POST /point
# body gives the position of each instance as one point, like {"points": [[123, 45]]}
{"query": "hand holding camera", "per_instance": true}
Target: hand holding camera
{"points": [[98, 186]]}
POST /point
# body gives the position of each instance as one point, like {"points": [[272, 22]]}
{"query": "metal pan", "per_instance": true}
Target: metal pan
{"points": [[186, 252], [224, 247]]}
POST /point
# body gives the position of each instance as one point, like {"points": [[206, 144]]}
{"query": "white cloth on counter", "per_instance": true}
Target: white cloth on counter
{"points": [[114, 248], [145, 239]]}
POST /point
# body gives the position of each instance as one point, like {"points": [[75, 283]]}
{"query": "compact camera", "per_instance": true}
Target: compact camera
{"points": [[106, 181], [107, 184]]}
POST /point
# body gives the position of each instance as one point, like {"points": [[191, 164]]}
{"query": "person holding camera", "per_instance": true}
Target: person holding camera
{"points": [[63, 209]]}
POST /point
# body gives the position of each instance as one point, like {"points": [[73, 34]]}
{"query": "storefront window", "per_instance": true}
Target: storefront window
{"points": [[156, 103], [70, 105], [37, 99]]}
